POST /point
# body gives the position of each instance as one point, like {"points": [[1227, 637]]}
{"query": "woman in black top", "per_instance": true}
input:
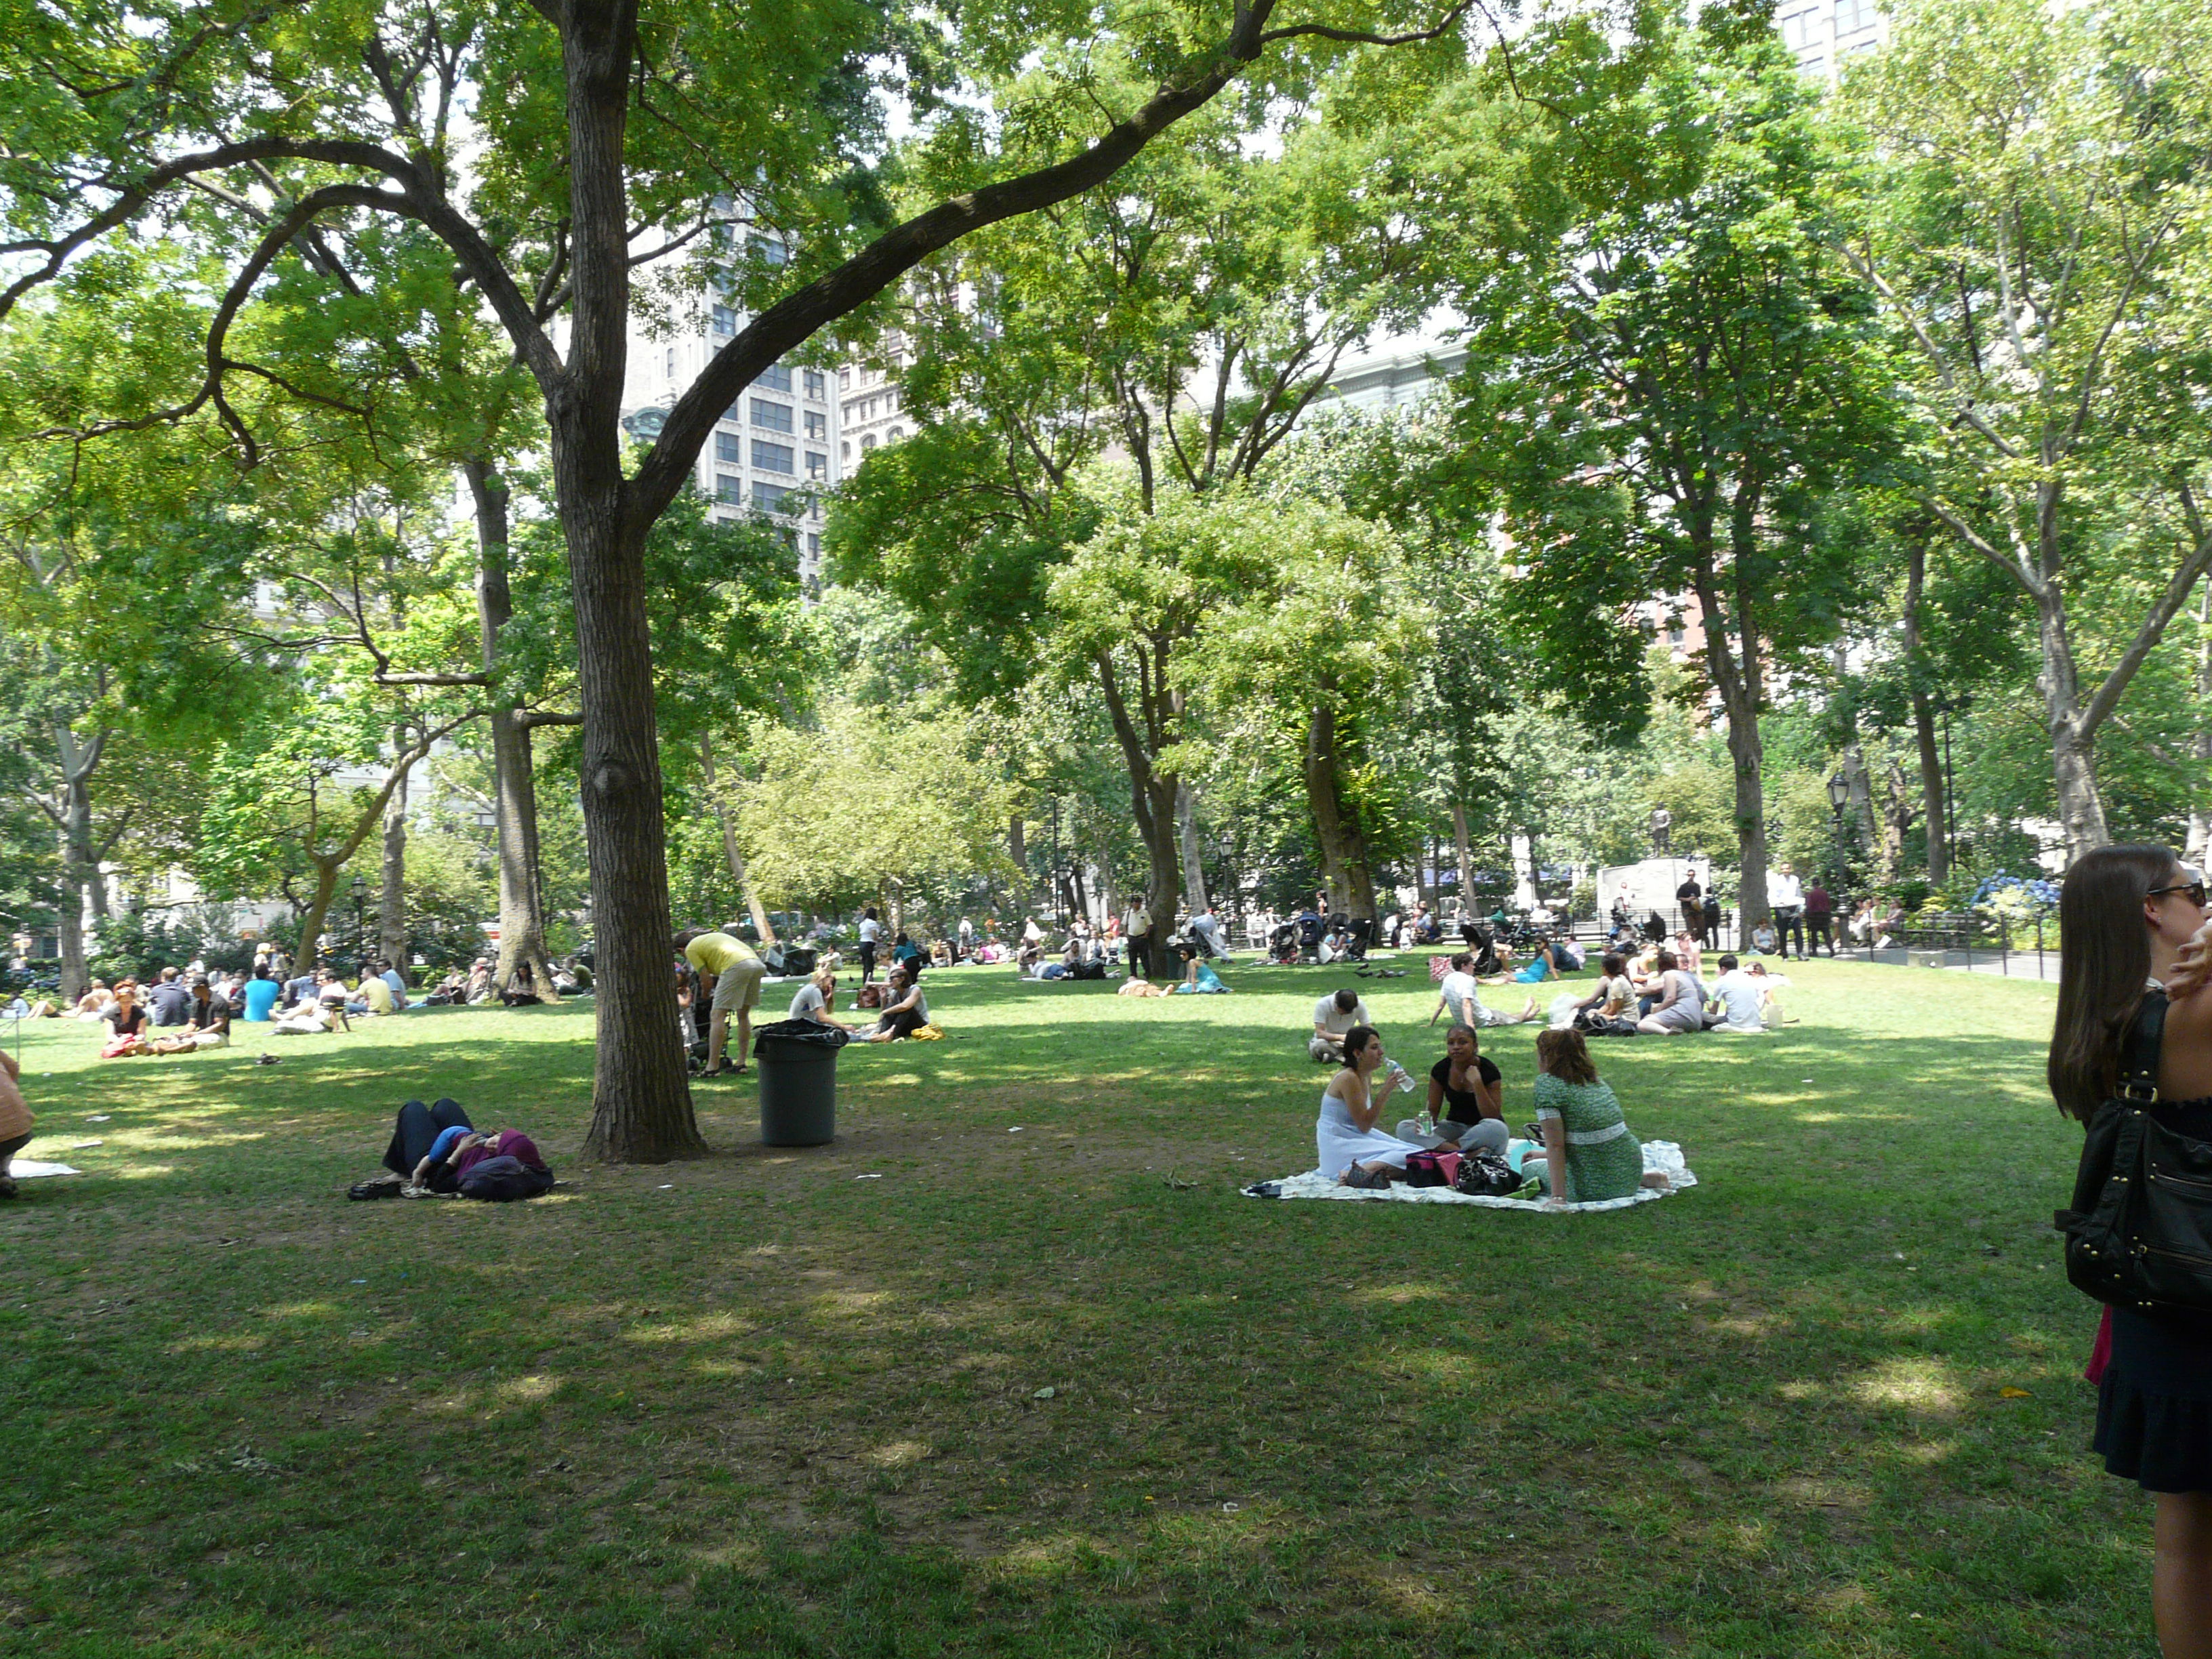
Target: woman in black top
{"points": [[1465, 1093], [2135, 925]]}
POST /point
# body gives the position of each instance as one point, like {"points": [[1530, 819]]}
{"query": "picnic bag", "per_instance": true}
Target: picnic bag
{"points": [[1484, 1174], [2139, 1234], [1427, 1168]]}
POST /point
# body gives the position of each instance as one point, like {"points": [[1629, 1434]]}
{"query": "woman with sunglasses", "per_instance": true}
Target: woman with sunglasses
{"points": [[2134, 925]]}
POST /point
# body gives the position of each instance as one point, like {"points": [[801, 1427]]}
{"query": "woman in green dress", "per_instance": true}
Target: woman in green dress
{"points": [[1588, 1154]]}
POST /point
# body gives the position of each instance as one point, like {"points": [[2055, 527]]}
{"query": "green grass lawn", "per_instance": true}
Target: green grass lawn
{"points": [[1826, 1403]]}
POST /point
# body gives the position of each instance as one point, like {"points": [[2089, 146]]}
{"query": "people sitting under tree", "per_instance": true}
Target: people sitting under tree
{"points": [[1332, 1016]]}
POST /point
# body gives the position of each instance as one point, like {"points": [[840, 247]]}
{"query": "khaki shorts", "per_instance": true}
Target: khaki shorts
{"points": [[211, 1038], [738, 991]]}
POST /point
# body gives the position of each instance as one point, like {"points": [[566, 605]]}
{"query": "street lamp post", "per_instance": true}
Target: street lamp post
{"points": [[360, 924]]}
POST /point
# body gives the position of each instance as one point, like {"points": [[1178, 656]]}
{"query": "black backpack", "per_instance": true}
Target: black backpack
{"points": [[2139, 1235], [1484, 1174], [502, 1180]]}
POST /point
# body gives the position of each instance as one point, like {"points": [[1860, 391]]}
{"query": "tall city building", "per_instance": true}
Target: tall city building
{"points": [[1826, 35], [869, 415], [775, 452]]}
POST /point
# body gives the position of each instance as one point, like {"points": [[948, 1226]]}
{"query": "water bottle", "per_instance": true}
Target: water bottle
{"points": [[1400, 1080]]}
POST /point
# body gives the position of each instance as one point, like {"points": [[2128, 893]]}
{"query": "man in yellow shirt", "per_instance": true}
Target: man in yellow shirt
{"points": [[737, 972]]}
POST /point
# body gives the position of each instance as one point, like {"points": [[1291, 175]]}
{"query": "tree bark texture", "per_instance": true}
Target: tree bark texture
{"points": [[1460, 845], [69, 929], [513, 766], [1337, 829], [392, 892], [1194, 867], [2200, 818], [1735, 660], [1933, 804], [1153, 793]]}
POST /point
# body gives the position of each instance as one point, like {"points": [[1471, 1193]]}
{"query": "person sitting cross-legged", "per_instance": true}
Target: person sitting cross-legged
{"points": [[211, 1015], [905, 1011], [1332, 1016], [1739, 1001], [1467, 1099]]}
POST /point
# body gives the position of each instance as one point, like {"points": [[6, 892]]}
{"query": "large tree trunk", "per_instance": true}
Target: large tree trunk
{"points": [[513, 768], [1460, 846], [1337, 830], [68, 926], [1194, 869], [1737, 669], [1933, 801], [391, 894], [731, 852], [1152, 799], [2072, 741], [316, 912]]}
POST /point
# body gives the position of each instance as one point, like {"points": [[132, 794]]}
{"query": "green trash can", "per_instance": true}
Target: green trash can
{"points": [[798, 1082]]}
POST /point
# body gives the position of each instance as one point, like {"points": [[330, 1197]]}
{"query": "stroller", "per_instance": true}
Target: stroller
{"points": [[1484, 950], [1360, 935]]}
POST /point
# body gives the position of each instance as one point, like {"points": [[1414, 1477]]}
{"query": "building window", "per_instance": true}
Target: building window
{"points": [[775, 378], [897, 432], [771, 458], [767, 497], [767, 249], [817, 426], [844, 379], [671, 370], [844, 452], [890, 401], [771, 416], [814, 546], [1852, 15], [726, 320], [817, 464], [868, 443], [728, 489], [726, 448], [817, 388]]}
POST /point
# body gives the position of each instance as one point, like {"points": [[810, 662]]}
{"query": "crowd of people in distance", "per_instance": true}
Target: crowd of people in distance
{"points": [[720, 974], [1661, 992], [180, 1010]]}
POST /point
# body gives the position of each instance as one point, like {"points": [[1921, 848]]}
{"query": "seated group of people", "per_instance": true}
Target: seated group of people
{"points": [[1657, 991], [905, 1008], [171, 1018], [1586, 1153]]}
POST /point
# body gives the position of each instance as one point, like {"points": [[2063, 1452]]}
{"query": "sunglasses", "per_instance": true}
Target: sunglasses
{"points": [[2194, 889]]}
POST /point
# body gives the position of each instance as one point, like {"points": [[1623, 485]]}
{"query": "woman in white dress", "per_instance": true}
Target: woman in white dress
{"points": [[1350, 1146]]}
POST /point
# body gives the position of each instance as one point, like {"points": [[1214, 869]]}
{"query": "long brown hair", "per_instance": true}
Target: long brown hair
{"points": [[2103, 966], [1565, 1055]]}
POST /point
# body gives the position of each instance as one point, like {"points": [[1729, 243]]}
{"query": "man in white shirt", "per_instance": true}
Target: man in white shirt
{"points": [[1786, 894], [1335, 1015], [1739, 999], [871, 931], [1461, 997]]}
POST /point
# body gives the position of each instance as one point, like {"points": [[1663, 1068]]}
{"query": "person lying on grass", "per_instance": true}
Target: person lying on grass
{"points": [[434, 1146], [1588, 1156], [1346, 1139], [1467, 1099], [1134, 986], [906, 1012]]}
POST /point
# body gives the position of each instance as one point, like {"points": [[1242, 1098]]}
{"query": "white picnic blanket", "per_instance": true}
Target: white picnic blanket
{"points": [[25, 1169], [1664, 1155]]}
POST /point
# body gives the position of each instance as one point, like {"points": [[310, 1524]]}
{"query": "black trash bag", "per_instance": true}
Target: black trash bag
{"points": [[809, 1031]]}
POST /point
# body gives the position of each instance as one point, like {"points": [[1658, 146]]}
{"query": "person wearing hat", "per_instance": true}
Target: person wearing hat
{"points": [[736, 972]]}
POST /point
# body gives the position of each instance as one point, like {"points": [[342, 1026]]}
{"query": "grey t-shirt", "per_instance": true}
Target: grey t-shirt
{"points": [[809, 1002]]}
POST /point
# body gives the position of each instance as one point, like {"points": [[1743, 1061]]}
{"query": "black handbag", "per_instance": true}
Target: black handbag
{"points": [[2139, 1234]]}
